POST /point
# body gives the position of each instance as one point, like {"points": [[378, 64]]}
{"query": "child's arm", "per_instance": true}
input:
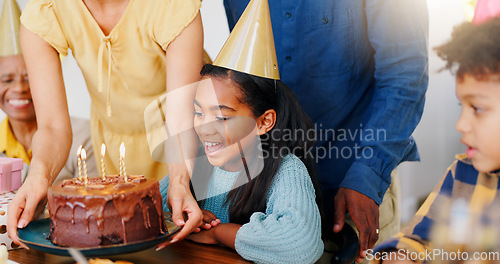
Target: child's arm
{"points": [[223, 234], [289, 231]]}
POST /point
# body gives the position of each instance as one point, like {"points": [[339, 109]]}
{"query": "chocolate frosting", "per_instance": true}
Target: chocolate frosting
{"points": [[93, 198]]}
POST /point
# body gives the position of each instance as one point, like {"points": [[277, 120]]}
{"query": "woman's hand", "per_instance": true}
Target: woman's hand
{"points": [[28, 203], [52, 141], [184, 60], [182, 203]]}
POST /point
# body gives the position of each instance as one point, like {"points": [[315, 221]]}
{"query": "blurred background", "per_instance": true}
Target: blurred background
{"points": [[436, 136]]}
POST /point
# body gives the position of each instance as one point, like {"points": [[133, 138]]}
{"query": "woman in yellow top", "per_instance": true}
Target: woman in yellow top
{"points": [[130, 53]]}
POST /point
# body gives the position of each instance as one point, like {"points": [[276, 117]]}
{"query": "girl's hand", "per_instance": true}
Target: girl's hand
{"points": [[204, 237], [209, 220]]}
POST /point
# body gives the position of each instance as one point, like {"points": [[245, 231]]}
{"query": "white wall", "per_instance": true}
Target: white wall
{"points": [[215, 26], [436, 137]]}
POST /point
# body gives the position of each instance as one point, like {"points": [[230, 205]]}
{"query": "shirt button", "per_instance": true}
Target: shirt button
{"points": [[288, 15], [325, 20], [288, 58]]}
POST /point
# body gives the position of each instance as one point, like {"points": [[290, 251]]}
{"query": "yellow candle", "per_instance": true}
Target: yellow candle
{"points": [[103, 168], [79, 161], [84, 157], [123, 171]]}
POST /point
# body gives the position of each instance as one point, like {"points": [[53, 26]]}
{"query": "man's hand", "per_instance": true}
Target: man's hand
{"points": [[364, 213], [28, 203]]}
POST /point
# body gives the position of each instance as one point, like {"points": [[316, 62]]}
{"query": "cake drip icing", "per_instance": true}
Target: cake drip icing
{"points": [[93, 198]]}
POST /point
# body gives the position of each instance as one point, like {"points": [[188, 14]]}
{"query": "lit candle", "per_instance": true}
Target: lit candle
{"points": [[103, 168], [123, 170], [84, 157], [79, 161]]}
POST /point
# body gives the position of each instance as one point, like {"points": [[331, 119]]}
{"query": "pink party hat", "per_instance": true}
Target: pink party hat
{"points": [[486, 9]]}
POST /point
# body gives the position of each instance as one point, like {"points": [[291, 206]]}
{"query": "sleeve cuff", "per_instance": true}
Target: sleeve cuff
{"points": [[365, 180]]}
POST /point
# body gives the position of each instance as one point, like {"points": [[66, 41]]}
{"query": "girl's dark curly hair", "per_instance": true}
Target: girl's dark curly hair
{"points": [[473, 50]]}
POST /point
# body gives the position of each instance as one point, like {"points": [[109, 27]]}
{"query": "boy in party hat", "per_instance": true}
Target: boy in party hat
{"points": [[459, 215], [267, 214]]}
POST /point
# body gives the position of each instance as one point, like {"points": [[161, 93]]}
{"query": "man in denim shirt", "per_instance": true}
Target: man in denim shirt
{"points": [[359, 68]]}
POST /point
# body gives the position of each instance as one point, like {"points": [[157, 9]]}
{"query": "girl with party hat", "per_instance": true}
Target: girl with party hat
{"points": [[260, 197]]}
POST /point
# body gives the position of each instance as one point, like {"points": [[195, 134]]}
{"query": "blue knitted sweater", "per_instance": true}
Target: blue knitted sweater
{"points": [[290, 229]]}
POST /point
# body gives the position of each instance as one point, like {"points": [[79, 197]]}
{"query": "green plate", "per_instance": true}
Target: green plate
{"points": [[35, 236]]}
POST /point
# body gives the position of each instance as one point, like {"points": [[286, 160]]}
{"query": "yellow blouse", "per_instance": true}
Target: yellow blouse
{"points": [[124, 71], [9, 144]]}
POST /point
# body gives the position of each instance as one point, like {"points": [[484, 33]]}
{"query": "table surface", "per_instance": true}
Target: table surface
{"points": [[180, 252]]}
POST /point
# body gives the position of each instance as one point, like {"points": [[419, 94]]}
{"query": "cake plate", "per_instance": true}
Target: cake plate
{"points": [[35, 236]]}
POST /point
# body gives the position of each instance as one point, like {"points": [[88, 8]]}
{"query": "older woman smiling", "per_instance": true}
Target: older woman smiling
{"points": [[17, 129]]}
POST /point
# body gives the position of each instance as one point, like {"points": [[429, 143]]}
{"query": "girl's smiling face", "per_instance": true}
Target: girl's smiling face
{"points": [[224, 124], [479, 121], [15, 94]]}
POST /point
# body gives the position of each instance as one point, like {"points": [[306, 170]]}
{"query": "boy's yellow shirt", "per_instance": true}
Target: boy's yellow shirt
{"points": [[9, 144]]}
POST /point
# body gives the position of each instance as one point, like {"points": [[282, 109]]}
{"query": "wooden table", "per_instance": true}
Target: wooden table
{"points": [[180, 252]]}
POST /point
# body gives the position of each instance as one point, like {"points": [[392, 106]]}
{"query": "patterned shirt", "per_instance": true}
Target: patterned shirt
{"points": [[477, 190]]}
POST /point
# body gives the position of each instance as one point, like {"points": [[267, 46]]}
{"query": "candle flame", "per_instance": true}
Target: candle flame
{"points": [[79, 151], [122, 149], [103, 149], [84, 154]]}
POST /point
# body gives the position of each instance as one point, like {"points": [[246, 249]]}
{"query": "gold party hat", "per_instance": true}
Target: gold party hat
{"points": [[250, 46], [9, 29]]}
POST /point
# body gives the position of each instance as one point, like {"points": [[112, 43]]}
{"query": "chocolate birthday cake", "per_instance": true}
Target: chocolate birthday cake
{"points": [[106, 211]]}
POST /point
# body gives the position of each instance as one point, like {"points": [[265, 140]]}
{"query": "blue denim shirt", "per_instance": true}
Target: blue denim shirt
{"points": [[360, 70]]}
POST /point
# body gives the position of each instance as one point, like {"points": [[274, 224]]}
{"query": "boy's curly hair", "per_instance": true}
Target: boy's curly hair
{"points": [[475, 49]]}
